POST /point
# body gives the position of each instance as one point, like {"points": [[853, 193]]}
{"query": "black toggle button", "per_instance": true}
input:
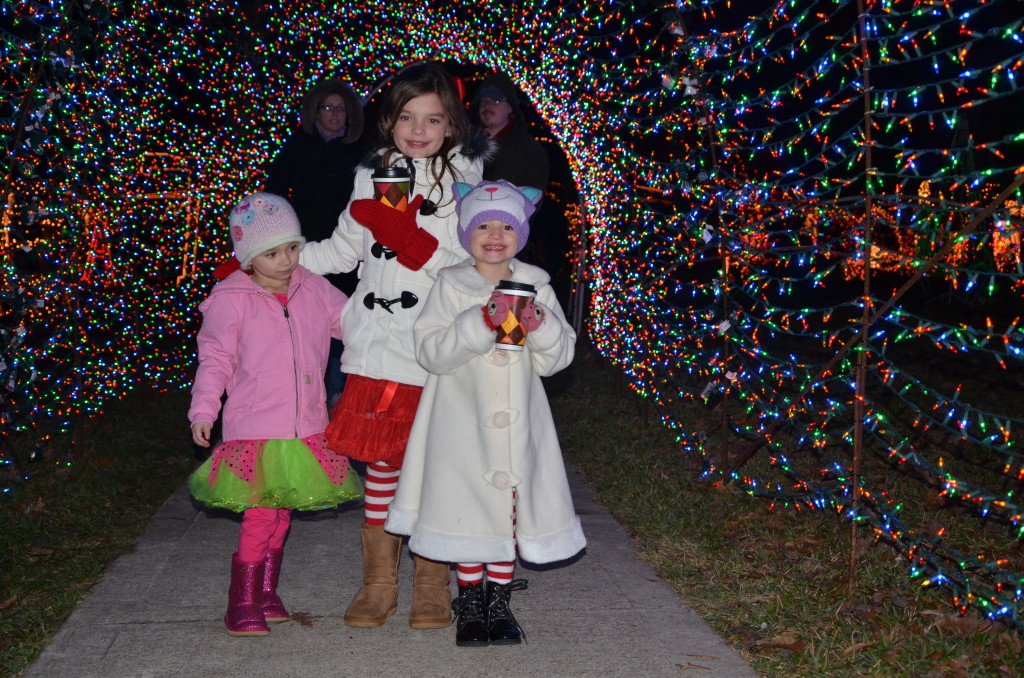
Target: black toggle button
{"points": [[407, 300], [378, 251]]}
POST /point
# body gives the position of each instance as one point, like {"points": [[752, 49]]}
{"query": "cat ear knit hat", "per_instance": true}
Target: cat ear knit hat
{"points": [[260, 222], [495, 200]]}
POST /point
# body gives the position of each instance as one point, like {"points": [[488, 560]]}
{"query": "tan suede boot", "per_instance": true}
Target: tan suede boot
{"points": [[378, 599], [431, 599]]}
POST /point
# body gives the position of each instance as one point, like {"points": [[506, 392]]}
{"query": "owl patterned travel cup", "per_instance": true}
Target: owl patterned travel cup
{"points": [[511, 334]]}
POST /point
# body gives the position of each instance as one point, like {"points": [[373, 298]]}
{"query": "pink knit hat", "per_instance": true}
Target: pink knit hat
{"points": [[261, 222]]}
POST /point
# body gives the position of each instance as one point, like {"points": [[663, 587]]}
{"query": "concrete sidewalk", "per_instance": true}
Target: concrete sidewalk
{"points": [[157, 613]]}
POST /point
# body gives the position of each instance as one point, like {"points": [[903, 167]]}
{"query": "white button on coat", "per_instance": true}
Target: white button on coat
{"points": [[504, 418], [502, 479]]}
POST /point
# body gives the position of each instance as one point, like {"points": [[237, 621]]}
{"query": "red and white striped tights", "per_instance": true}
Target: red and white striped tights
{"points": [[498, 573]]}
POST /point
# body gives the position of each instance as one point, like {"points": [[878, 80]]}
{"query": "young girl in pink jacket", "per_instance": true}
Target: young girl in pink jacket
{"points": [[264, 340]]}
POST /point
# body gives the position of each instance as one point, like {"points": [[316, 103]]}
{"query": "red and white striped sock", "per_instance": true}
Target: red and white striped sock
{"points": [[500, 573], [469, 573], [381, 482]]}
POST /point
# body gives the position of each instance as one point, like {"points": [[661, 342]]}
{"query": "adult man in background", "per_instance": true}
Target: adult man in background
{"points": [[522, 160], [519, 158]]}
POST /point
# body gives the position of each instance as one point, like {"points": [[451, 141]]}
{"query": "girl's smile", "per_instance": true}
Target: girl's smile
{"points": [[493, 244]]}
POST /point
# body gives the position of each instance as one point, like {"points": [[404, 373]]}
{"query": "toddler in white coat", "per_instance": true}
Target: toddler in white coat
{"points": [[483, 479]]}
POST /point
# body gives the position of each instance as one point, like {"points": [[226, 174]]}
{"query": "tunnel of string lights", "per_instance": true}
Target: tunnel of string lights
{"points": [[800, 220]]}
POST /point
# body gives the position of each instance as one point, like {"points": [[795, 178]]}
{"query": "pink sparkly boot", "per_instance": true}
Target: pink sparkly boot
{"points": [[273, 608], [245, 616]]}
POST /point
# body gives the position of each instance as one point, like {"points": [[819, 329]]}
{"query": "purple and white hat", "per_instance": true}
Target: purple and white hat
{"points": [[495, 200]]}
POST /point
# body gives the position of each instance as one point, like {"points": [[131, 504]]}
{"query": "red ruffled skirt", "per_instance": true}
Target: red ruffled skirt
{"points": [[372, 419]]}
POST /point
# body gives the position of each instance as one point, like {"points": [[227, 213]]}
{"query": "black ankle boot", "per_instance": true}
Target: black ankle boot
{"points": [[470, 610], [502, 627]]}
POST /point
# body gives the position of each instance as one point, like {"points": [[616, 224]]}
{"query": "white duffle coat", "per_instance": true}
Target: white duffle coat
{"points": [[378, 342], [484, 427]]}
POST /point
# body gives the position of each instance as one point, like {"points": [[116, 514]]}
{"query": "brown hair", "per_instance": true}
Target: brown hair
{"points": [[415, 81]]}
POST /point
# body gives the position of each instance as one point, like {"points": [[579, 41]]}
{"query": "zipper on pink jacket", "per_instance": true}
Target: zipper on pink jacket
{"points": [[295, 371]]}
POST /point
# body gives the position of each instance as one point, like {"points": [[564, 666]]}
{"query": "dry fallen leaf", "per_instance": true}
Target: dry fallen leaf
{"points": [[8, 603], [934, 500], [954, 668], [856, 647], [688, 667], [744, 518], [87, 584], [954, 622], [32, 507], [1008, 642], [304, 618], [784, 642]]}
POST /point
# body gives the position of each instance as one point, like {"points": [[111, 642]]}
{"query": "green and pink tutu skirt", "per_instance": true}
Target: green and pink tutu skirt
{"points": [[280, 474]]}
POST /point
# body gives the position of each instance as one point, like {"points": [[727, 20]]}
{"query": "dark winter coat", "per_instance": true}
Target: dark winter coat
{"points": [[518, 157], [314, 174]]}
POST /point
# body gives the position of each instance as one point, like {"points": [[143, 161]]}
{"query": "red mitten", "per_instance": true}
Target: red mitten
{"points": [[418, 251], [390, 227], [533, 316], [496, 310]]}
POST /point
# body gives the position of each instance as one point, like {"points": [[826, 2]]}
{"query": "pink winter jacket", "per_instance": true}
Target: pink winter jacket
{"points": [[269, 358]]}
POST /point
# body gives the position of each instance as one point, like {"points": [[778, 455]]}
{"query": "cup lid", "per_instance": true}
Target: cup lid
{"points": [[395, 172], [517, 286]]}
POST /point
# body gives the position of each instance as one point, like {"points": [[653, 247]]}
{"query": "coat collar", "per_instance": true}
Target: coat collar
{"points": [[240, 282]]}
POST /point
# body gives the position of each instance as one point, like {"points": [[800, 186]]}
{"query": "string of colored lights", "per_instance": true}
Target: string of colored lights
{"points": [[769, 101], [725, 174]]}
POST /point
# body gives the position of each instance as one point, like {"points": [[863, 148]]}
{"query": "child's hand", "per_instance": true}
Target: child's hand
{"points": [[397, 230], [201, 433], [496, 309], [390, 227], [533, 316]]}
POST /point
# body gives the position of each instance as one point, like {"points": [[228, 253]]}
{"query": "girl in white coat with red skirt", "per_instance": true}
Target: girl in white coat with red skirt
{"points": [[398, 251]]}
